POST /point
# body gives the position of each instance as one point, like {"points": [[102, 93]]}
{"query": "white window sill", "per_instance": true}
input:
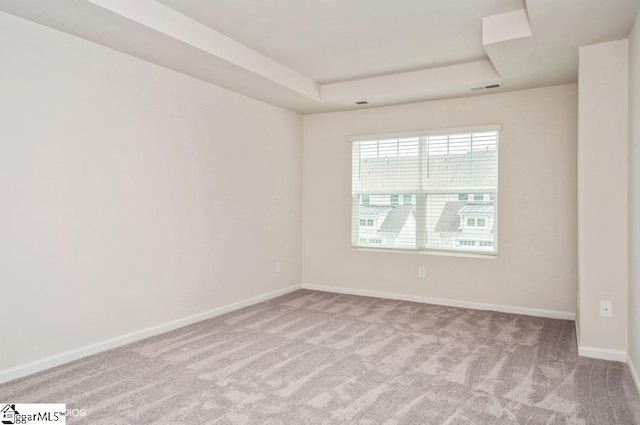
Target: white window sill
{"points": [[446, 253]]}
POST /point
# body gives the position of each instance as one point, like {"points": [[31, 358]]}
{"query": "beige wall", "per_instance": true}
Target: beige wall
{"points": [[132, 195], [634, 199], [536, 263], [602, 193]]}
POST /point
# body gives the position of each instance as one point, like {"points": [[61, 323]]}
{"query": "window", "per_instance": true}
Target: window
{"points": [[366, 222], [476, 222], [447, 182]]}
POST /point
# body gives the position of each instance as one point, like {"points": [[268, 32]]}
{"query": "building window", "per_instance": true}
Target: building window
{"points": [[427, 191]]}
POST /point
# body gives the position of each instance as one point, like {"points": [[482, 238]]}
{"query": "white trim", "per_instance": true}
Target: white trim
{"points": [[68, 356], [551, 314], [171, 23], [430, 251], [634, 373], [602, 353], [427, 132]]}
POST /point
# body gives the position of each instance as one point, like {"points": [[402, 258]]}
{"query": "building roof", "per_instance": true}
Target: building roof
{"points": [[395, 220], [473, 208], [449, 220], [375, 209]]}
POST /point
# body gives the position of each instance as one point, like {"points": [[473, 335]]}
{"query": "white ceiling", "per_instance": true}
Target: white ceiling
{"points": [[323, 55], [339, 40]]}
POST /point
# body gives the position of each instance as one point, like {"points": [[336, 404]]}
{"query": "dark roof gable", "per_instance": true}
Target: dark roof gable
{"points": [[449, 220], [395, 220]]}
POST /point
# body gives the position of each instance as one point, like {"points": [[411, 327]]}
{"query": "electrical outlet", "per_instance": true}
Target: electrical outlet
{"points": [[278, 267], [422, 272], [606, 308]]}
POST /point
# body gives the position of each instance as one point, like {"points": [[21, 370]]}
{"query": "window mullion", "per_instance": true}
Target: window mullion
{"points": [[421, 198]]}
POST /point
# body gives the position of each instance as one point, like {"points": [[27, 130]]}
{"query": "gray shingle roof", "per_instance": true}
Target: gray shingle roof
{"points": [[395, 220], [449, 220]]}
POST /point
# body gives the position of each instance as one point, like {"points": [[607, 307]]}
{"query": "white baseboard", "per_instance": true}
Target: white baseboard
{"points": [[68, 356], [602, 353], [634, 373], [552, 314]]}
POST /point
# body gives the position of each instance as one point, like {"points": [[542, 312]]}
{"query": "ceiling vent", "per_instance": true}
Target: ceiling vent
{"points": [[487, 87]]}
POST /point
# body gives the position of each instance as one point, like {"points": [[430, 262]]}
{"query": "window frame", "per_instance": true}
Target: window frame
{"points": [[421, 195]]}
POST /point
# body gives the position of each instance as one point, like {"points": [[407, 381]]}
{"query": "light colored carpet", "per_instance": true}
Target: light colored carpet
{"points": [[320, 358]]}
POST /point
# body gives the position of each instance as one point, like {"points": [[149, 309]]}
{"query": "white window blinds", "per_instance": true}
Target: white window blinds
{"points": [[435, 191]]}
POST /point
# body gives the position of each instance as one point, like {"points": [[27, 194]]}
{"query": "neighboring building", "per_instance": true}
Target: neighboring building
{"points": [[388, 224], [399, 226], [465, 224], [371, 219]]}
